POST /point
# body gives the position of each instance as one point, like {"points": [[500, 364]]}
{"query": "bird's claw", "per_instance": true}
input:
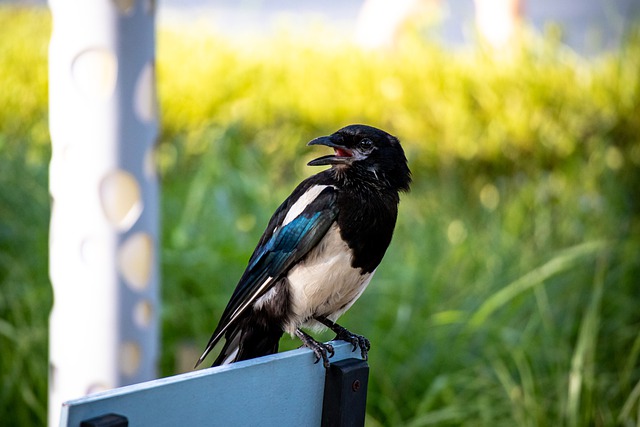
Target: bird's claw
{"points": [[343, 334], [324, 352], [356, 341], [321, 350]]}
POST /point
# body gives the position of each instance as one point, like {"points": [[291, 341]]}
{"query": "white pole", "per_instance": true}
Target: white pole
{"points": [[104, 220]]}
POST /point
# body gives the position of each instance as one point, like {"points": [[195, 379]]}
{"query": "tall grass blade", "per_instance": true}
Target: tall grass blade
{"points": [[582, 375], [562, 262]]}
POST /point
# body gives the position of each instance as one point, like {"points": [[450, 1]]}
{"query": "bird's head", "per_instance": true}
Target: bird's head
{"points": [[365, 150]]}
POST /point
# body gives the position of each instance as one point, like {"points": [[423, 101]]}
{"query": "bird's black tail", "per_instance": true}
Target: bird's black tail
{"points": [[251, 338]]}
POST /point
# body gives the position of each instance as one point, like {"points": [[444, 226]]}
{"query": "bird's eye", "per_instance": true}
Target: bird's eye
{"points": [[365, 144]]}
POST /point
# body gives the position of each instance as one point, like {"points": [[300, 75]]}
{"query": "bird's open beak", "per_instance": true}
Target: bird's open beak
{"points": [[342, 154]]}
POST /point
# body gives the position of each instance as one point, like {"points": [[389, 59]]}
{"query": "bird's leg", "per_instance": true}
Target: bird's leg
{"points": [[322, 351], [343, 334]]}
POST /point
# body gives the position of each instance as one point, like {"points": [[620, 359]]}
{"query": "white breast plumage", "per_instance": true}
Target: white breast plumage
{"points": [[324, 283]]}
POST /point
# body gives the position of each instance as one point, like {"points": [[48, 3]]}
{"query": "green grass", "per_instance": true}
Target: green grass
{"points": [[509, 295]]}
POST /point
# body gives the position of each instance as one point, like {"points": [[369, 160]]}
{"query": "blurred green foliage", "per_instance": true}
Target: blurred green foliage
{"points": [[509, 295], [25, 293]]}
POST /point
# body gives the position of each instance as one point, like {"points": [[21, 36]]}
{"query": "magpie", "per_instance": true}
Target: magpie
{"points": [[319, 251]]}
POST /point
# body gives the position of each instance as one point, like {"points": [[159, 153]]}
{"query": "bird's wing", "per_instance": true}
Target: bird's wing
{"points": [[284, 243]]}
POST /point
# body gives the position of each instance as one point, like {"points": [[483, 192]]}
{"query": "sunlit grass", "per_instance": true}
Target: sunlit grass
{"points": [[509, 295]]}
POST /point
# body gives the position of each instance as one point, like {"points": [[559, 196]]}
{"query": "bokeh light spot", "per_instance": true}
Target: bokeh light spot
{"points": [[120, 197], [456, 232], [489, 196], [135, 260], [613, 158], [144, 99], [95, 72], [143, 313], [130, 357]]}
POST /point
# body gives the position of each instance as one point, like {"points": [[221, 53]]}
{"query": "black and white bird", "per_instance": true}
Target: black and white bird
{"points": [[319, 251]]}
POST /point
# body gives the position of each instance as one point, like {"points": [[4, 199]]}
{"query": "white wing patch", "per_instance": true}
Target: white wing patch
{"points": [[299, 206]]}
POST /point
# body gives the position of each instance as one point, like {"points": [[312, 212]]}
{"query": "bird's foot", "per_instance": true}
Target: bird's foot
{"points": [[344, 334], [355, 340], [321, 350]]}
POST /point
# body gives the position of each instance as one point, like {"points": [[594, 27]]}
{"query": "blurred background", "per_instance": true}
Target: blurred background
{"points": [[510, 293]]}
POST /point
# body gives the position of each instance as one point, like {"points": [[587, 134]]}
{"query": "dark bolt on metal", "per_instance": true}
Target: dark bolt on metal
{"points": [[356, 385]]}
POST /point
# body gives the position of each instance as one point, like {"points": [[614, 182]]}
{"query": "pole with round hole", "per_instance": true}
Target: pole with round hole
{"points": [[103, 259]]}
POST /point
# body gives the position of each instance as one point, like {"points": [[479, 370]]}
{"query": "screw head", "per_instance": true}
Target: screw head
{"points": [[356, 385]]}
